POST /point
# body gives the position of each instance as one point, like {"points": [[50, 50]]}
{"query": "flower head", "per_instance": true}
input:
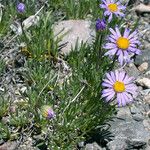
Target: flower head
{"points": [[21, 7], [112, 7], [47, 112], [100, 24], [122, 45], [120, 85]]}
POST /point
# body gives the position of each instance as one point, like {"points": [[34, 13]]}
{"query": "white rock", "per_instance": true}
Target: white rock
{"points": [[27, 23], [145, 82], [147, 99], [93, 146], [71, 30], [16, 28], [30, 21], [141, 8], [2, 89], [23, 89], [143, 67]]}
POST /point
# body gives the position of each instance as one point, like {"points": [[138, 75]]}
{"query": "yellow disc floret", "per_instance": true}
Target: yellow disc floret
{"points": [[123, 43], [119, 86], [44, 110], [113, 7]]}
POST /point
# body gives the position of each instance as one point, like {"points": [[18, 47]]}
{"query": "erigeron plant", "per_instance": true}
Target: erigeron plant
{"points": [[73, 111]]}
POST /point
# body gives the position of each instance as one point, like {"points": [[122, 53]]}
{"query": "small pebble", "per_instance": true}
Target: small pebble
{"points": [[146, 124], [143, 67], [147, 99], [81, 144], [145, 82]]}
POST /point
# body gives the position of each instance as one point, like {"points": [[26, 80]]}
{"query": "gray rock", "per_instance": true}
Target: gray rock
{"points": [[138, 117], [130, 129], [132, 70], [93, 146], [142, 107], [117, 144], [145, 57], [134, 109], [146, 107], [127, 129], [145, 92], [124, 113], [73, 30], [136, 144], [9, 146], [146, 124], [126, 144]]}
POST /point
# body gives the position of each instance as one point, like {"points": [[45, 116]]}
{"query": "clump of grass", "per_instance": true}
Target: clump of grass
{"points": [[77, 104], [40, 39], [71, 9], [4, 107]]}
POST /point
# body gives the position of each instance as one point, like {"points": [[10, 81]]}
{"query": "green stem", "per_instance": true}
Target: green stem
{"points": [[113, 63], [98, 48]]}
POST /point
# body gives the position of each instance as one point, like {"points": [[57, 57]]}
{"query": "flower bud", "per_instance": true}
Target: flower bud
{"points": [[21, 7], [100, 24], [47, 112]]}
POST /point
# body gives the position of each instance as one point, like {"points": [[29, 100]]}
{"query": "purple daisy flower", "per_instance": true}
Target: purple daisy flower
{"points": [[112, 7], [122, 45], [100, 24], [21, 7], [119, 85], [47, 112]]}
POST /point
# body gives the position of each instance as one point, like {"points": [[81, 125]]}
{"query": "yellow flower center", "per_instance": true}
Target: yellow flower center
{"points": [[123, 43], [45, 114], [119, 86], [113, 7]]}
